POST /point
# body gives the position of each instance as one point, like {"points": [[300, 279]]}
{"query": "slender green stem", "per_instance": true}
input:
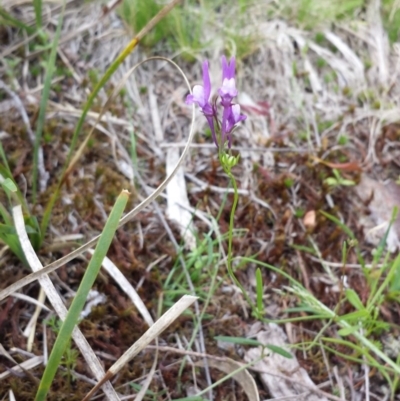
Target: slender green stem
{"points": [[230, 240]]}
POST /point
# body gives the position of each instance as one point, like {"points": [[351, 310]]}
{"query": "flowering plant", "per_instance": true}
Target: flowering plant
{"points": [[221, 129]]}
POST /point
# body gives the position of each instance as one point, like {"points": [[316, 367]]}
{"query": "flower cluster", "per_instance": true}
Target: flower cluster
{"points": [[220, 129]]}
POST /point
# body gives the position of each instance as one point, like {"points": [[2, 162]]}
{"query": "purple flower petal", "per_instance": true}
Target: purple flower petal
{"points": [[227, 91], [232, 117], [201, 94], [228, 70], [206, 80], [235, 115], [198, 96]]}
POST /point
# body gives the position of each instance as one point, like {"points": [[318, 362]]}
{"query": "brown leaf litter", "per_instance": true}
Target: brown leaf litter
{"points": [[301, 125]]}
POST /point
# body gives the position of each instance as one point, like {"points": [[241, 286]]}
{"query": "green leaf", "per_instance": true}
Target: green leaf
{"points": [[304, 248], [395, 283], [354, 299], [78, 302], [339, 224], [347, 183], [346, 331], [305, 308], [355, 316], [15, 22], [9, 184], [259, 288], [37, 5], [7, 229], [383, 241], [280, 351], [332, 182], [239, 340]]}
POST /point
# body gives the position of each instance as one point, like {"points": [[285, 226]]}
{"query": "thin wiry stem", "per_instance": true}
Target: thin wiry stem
{"points": [[230, 240]]}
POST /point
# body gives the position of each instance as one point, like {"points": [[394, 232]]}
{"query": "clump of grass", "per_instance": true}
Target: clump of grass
{"points": [[361, 329], [137, 13], [183, 30], [311, 13]]}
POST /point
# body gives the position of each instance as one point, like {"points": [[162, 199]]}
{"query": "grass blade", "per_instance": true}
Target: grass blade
{"points": [[50, 68], [239, 340], [339, 224], [15, 22], [259, 287], [81, 295], [37, 5]]}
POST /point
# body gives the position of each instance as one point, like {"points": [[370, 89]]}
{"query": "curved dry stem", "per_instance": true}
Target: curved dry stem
{"points": [[129, 216]]}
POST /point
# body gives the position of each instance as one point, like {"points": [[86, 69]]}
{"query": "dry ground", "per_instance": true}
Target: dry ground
{"points": [[305, 118]]}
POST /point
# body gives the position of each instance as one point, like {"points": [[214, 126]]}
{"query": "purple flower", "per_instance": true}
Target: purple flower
{"points": [[201, 96], [231, 114], [233, 117], [221, 130], [228, 89]]}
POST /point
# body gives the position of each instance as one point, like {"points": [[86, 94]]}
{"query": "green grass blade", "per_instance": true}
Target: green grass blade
{"points": [[259, 288], [15, 22], [280, 351], [239, 340], [394, 269], [50, 68], [11, 189], [354, 299], [339, 224], [4, 159], [37, 5], [7, 229], [382, 244], [79, 301], [9, 184]]}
